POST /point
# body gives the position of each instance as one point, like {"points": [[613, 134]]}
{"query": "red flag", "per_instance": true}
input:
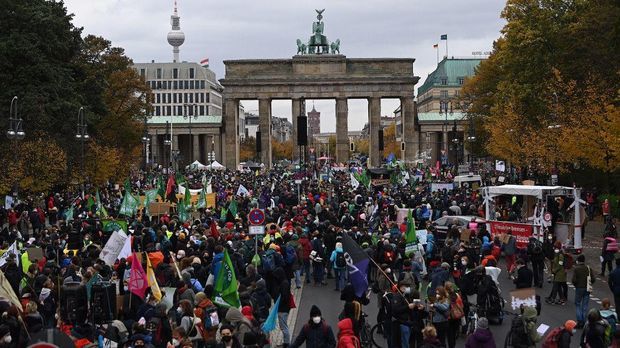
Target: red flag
{"points": [[137, 280], [214, 232], [170, 185]]}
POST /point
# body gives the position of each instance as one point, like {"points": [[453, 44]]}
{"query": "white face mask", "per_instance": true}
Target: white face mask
{"points": [[316, 320], [464, 263], [388, 270], [574, 331], [175, 342], [7, 339], [179, 310], [407, 290], [557, 251]]}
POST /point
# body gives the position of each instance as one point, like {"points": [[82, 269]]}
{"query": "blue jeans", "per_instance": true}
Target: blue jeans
{"points": [[283, 322], [341, 278], [405, 332], [582, 299], [297, 278]]}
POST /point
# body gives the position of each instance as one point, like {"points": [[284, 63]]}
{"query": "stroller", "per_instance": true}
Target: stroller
{"points": [[490, 302]]}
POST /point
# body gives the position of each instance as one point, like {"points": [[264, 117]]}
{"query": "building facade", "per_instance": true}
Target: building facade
{"points": [[441, 114], [314, 124], [186, 120]]}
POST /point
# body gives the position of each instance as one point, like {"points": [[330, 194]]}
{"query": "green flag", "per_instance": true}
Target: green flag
{"points": [[101, 211], [232, 207], [188, 198], [225, 290], [69, 214], [182, 211], [180, 178], [109, 226], [130, 204], [89, 203], [202, 200], [410, 237], [223, 213], [149, 197], [161, 188]]}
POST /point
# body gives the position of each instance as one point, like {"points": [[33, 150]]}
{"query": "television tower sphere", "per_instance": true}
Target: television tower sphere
{"points": [[176, 38]]}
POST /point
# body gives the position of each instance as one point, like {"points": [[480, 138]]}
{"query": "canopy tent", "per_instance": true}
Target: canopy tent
{"points": [[216, 166], [524, 190], [196, 165], [252, 165]]}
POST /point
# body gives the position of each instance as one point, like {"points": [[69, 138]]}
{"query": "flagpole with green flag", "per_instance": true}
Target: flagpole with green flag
{"points": [[411, 238], [225, 290]]}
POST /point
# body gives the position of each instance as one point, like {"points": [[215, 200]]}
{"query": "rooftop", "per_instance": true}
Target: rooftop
{"points": [[452, 69], [209, 119], [436, 116]]}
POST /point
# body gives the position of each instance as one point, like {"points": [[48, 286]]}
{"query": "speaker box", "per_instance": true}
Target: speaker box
{"points": [[74, 303], [74, 241], [380, 139], [103, 305], [258, 143], [302, 130]]}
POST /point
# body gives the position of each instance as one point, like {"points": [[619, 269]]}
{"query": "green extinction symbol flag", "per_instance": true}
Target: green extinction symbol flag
{"points": [[130, 204], [225, 290], [101, 211], [182, 211], [202, 200], [149, 197], [109, 226], [411, 238]]}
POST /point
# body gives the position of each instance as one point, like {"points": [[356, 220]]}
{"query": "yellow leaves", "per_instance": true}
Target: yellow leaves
{"points": [[280, 150], [390, 145], [102, 163]]}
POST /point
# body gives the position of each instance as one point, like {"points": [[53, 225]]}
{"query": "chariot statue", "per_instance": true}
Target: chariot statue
{"points": [[318, 43]]}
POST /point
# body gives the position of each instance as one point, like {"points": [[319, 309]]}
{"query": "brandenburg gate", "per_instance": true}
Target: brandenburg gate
{"points": [[319, 71]]}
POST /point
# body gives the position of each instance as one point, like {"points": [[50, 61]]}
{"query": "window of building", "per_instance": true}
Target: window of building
{"points": [[158, 84], [191, 73], [158, 111], [191, 97], [191, 84], [159, 73], [179, 109], [202, 109], [461, 80], [444, 81], [186, 84], [207, 98], [202, 84], [196, 97], [185, 98], [206, 110], [143, 73], [456, 93], [175, 73], [169, 109], [158, 98], [202, 97], [174, 98], [164, 85], [175, 85], [444, 94]]}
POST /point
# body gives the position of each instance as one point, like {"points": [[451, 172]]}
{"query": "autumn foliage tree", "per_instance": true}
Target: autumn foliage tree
{"points": [[281, 150], [390, 145]]}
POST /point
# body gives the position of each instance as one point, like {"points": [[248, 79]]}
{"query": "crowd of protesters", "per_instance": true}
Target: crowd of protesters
{"points": [[425, 298]]}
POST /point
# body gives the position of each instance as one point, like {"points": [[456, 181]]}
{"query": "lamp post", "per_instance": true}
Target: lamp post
{"points": [[186, 115], [167, 143], [82, 135], [455, 140], [445, 110], [146, 139], [212, 153], [15, 133]]}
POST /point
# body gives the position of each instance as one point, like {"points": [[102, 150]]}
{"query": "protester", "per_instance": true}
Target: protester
{"points": [[582, 280], [316, 333], [482, 336], [614, 285]]}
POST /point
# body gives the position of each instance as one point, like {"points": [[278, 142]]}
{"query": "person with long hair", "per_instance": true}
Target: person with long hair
{"points": [[456, 306], [441, 312]]}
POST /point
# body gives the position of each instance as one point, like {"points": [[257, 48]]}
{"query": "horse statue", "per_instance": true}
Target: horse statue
{"points": [[335, 46], [301, 47]]}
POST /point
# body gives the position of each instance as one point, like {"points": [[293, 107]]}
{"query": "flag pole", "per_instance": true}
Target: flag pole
{"points": [[437, 52], [446, 47]]}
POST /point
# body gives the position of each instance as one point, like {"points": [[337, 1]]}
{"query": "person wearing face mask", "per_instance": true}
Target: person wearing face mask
{"points": [[5, 337], [228, 339], [401, 307], [316, 332], [564, 336], [559, 277], [441, 312]]}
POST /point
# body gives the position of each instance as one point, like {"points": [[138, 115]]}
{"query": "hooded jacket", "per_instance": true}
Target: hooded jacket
{"points": [[346, 335], [241, 323], [481, 338], [529, 315]]}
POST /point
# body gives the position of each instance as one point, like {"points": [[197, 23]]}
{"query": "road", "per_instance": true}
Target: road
{"points": [[329, 302]]}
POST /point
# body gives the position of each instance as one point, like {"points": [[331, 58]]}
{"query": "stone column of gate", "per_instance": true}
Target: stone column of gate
{"points": [[230, 148], [374, 116], [264, 121], [410, 135], [295, 112], [196, 149], [342, 130]]}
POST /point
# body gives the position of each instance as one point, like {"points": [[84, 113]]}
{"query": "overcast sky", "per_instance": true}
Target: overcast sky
{"points": [[234, 29]]}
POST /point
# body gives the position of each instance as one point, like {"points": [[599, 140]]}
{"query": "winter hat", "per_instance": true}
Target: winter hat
{"points": [[581, 259], [315, 311], [180, 254], [483, 323], [445, 265], [569, 325]]}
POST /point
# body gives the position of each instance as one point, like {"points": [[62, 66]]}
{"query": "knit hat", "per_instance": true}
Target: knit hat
{"points": [[483, 323], [570, 325], [581, 258], [315, 311], [445, 265]]}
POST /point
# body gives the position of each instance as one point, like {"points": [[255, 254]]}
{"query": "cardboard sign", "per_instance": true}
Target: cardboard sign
{"points": [[525, 297], [521, 232], [35, 254], [158, 208], [465, 234], [113, 247]]}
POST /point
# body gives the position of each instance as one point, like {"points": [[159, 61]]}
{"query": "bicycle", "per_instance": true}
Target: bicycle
{"points": [[369, 336]]}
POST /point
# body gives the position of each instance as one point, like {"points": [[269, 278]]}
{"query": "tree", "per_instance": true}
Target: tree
{"points": [[281, 151], [390, 145], [247, 149], [103, 163], [362, 146]]}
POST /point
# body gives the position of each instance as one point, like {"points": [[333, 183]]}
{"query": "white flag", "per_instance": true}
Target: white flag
{"points": [[11, 250], [126, 250], [209, 187], [354, 182], [242, 191], [181, 190], [113, 247]]}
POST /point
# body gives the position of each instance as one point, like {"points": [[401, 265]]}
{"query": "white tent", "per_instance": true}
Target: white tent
{"points": [[524, 190], [196, 165], [216, 166]]}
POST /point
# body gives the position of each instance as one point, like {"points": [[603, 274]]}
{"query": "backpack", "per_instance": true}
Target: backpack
{"points": [[268, 261], [291, 255], [456, 310], [552, 338], [341, 262], [210, 318], [611, 320], [518, 336], [259, 336], [568, 261], [536, 247], [155, 327]]}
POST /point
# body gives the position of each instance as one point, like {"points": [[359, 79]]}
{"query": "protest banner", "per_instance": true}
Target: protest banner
{"points": [[525, 297], [113, 247]]}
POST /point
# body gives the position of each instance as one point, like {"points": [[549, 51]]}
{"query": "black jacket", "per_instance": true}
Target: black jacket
{"points": [[524, 278], [316, 336]]}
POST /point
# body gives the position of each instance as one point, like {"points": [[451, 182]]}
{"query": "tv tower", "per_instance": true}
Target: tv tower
{"points": [[175, 37]]}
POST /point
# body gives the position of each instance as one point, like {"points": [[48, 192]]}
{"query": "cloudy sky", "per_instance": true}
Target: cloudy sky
{"points": [[234, 29]]}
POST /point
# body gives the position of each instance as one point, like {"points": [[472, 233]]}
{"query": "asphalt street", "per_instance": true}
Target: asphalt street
{"points": [[329, 302]]}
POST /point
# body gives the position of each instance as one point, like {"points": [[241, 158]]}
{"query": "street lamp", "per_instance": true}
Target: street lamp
{"points": [[445, 110], [167, 143], [186, 115], [82, 135], [146, 139], [212, 153], [15, 133]]}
